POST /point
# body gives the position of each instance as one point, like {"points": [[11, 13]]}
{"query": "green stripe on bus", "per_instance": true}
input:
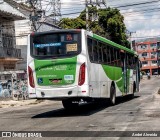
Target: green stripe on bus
{"points": [[112, 43], [113, 73], [55, 71], [120, 85]]}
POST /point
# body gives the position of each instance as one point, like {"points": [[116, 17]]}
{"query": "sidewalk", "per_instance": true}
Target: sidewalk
{"points": [[12, 103]]}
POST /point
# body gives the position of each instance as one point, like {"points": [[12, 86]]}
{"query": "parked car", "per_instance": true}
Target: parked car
{"points": [[155, 73]]}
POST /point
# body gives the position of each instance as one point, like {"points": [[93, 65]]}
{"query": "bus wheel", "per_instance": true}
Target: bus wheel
{"points": [[134, 90], [67, 104], [112, 95]]}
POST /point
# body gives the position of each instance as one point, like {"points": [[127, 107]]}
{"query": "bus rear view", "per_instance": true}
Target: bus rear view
{"points": [[56, 66]]}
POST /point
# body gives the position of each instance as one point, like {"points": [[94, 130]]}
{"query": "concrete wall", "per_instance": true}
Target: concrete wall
{"points": [[22, 29], [22, 65]]}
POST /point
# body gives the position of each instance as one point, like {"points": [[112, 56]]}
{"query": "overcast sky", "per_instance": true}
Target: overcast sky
{"points": [[140, 18]]}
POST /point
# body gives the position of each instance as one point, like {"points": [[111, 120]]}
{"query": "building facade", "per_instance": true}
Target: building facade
{"points": [[24, 27], [9, 54], [149, 54]]}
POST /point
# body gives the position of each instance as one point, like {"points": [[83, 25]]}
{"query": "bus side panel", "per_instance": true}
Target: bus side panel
{"points": [[83, 90], [94, 80], [114, 74], [105, 83], [30, 63]]}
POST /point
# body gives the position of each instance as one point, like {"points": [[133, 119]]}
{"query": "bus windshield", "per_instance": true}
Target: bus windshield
{"points": [[55, 45]]}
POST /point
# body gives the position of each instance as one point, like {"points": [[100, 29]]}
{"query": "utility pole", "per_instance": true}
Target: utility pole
{"points": [[95, 3], [34, 14], [38, 12], [130, 38], [56, 4], [87, 15]]}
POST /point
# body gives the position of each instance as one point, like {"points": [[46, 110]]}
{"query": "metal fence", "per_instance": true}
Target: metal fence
{"points": [[10, 52]]}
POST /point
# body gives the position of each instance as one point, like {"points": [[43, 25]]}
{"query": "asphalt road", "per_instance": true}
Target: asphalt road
{"points": [[139, 114]]}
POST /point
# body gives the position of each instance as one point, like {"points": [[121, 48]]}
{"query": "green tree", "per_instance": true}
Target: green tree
{"points": [[110, 24], [72, 23]]}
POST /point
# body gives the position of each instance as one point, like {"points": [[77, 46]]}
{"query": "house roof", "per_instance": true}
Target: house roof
{"points": [[9, 16], [21, 7]]}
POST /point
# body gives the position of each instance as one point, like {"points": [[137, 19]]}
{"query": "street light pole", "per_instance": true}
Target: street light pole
{"points": [[87, 15]]}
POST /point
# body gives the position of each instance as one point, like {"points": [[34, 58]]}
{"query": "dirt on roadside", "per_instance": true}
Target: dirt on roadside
{"points": [[6, 103]]}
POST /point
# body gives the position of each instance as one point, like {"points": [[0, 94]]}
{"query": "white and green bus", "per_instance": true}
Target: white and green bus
{"points": [[77, 65]]}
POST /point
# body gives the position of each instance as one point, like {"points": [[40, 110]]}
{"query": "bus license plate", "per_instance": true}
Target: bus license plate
{"points": [[56, 81]]}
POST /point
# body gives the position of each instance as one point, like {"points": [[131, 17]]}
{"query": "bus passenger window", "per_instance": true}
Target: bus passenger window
{"points": [[104, 50], [89, 44], [95, 54], [108, 55], [99, 54], [122, 56], [118, 58], [95, 51], [112, 56], [129, 61]]}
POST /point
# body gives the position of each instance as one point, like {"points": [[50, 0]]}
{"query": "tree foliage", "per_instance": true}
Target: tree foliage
{"points": [[110, 24]]}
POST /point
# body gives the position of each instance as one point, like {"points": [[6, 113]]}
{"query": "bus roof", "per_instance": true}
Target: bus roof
{"points": [[56, 31], [112, 43]]}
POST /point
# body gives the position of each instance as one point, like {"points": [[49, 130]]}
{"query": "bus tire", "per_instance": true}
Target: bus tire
{"points": [[67, 104], [134, 89], [112, 94]]}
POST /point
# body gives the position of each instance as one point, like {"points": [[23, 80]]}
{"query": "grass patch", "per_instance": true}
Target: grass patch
{"points": [[12, 105]]}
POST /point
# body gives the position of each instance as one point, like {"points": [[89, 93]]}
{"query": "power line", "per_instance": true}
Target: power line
{"points": [[143, 19], [135, 4], [71, 13], [147, 36]]}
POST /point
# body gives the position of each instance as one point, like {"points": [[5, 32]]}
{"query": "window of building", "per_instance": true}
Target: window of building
{"points": [[153, 45], [153, 54], [154, 62], [145, 62], [158, 54], [143, 46], [144, 54], [158, 45]]}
